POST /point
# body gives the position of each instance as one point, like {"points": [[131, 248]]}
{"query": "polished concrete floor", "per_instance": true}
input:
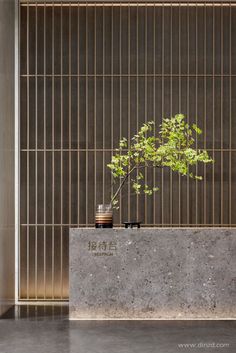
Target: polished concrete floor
{"points": [[41, 329]]}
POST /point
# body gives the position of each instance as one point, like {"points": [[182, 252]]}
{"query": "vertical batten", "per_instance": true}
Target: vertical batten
{"points": [[70, 126], [137, 93], [129, 137], [154, 106], [61, 186], [171, 107], [196, 109], [213, 116], [163, 106], [103, 104], [145, 107], [17, 146], [120, 73], [112, 92], [44, 152], [95, 106], [180, 107], [230, 116], [28, 167], [36, 155], [78, 122], [205, 123], [221, 120], [53, 154], [86, 115], [188, 96]]}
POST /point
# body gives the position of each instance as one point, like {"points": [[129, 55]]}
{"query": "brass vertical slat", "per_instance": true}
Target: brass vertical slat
{"points": [[188, 54], [162, 103], [70, 126], [28, 133], [205, 114], [129, 137], [221, 121], [95, 106], [230, 116], [145, 105], [120, 65], [18, 170], [112, 90], [61, 228], [213, 116], [86, 113], [53, 154], [44, 152], [171, 106], [137, 92], [103, 104], [78, 121], [154, 106], [36, 154], [180, 108], [196, 109]]}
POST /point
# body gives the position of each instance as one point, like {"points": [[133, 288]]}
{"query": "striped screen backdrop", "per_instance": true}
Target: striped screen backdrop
{"points": [[91, 73]]}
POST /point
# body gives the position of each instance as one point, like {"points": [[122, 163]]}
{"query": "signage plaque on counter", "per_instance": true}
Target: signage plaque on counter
{"points": [[102, 248]]}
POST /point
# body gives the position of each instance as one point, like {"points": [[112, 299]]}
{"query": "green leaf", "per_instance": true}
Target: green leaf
{"points": [[197, 129], [111, 166], [170, 147]]}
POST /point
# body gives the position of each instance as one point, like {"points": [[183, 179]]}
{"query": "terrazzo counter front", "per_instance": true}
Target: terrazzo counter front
{"points": [[152, 273]]}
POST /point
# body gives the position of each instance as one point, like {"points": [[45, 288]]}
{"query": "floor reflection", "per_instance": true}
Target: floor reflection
{"points": [[46, 329]]}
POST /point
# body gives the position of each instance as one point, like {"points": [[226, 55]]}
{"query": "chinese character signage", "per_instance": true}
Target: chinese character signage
{"points": [[102, 248]]}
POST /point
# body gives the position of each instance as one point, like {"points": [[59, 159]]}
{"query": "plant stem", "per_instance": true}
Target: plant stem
{"points": [[121, 184], [126, 177]]}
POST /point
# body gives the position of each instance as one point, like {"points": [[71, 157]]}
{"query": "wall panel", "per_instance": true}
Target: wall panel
{"points": [[93, 73]]}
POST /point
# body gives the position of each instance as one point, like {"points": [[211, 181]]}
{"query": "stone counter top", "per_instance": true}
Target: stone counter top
{"points": [[153, 273]]}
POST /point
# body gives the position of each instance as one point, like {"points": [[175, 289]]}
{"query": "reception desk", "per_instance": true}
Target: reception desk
{"points": [[153, 273]]}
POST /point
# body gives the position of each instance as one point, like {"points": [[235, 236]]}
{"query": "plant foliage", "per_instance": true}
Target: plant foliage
{"points": [[171, 147]]}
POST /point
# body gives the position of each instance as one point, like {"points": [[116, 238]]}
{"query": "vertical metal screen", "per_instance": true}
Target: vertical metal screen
{"points": [[91, 73]]}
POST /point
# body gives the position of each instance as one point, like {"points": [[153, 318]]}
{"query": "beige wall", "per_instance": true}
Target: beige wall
{"points": [[7, 257]]}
